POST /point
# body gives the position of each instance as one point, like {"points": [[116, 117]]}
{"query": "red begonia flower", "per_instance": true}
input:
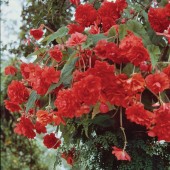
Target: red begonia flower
{"points": [[85, 15], [40, 128], [88, 89], [43, 117], [167, 72], [75, 2], [12, 106], [76, 39], [17, 92], [69, 156], [25, 127], [133, 50], [36, 33], [120, 154], [50, 141], [139, 115], [10, 70], [109, 12], [73, 28], [67, 103], [158, 18], [103, 108], [157, 82], [55, 53], [162, 121], [135, 84]]}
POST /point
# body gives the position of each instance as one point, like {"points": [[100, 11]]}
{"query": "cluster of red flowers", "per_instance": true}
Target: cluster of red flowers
{"points": [[102, 19], [159, 18], [97, 77], [39, 78]]}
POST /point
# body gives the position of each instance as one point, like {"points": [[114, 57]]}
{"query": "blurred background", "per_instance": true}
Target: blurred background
{"points": [[17, 18]]}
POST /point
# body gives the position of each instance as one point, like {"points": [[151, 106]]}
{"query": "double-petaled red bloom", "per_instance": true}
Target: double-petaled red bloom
{"points": [[76, 39], [25, 127], [10, 70], [139, 115], [55, 53], [37, 33], [159, 18], [133, 50], [50, 141], [17, 92], [85, 15], [161, 129], [157, 82]]}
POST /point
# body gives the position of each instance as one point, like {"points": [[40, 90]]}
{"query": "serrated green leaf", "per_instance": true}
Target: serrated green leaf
{"points": [[31, 101], [154, 52], [58, 34]]}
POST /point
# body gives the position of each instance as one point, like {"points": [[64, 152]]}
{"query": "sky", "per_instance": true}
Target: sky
{"points": [[10, 24]]}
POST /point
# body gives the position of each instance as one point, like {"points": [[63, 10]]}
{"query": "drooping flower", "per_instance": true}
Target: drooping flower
{"points": [[120, 154], [50, 141], [69, 156], [75, 2], [103, 108], [66, 103], [40, 128], [73, 28], [139, 115], [57, 119], [85, 15], [55, 53], [161, 129], [76, 39], [12, 106], [88, 89], [17, 92], [37, 33], [107, 50], [109, 12], [43, 117], [10, 70], [133, 50], [135, 84], [25, 127], [158, 19], [157, 82], [166, 70]]}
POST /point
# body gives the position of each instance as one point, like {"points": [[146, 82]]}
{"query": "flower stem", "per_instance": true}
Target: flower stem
{"points": [[123, 129]]}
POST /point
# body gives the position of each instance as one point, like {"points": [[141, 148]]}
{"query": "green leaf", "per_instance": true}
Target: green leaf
{"points": [[103, 120], [112, 34], [154, 53], [122, 31], [128, 69], [66, 73], [96, 110], [96, 37], [31, 101], [37, 52], [138, 28], [58, 34]]}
